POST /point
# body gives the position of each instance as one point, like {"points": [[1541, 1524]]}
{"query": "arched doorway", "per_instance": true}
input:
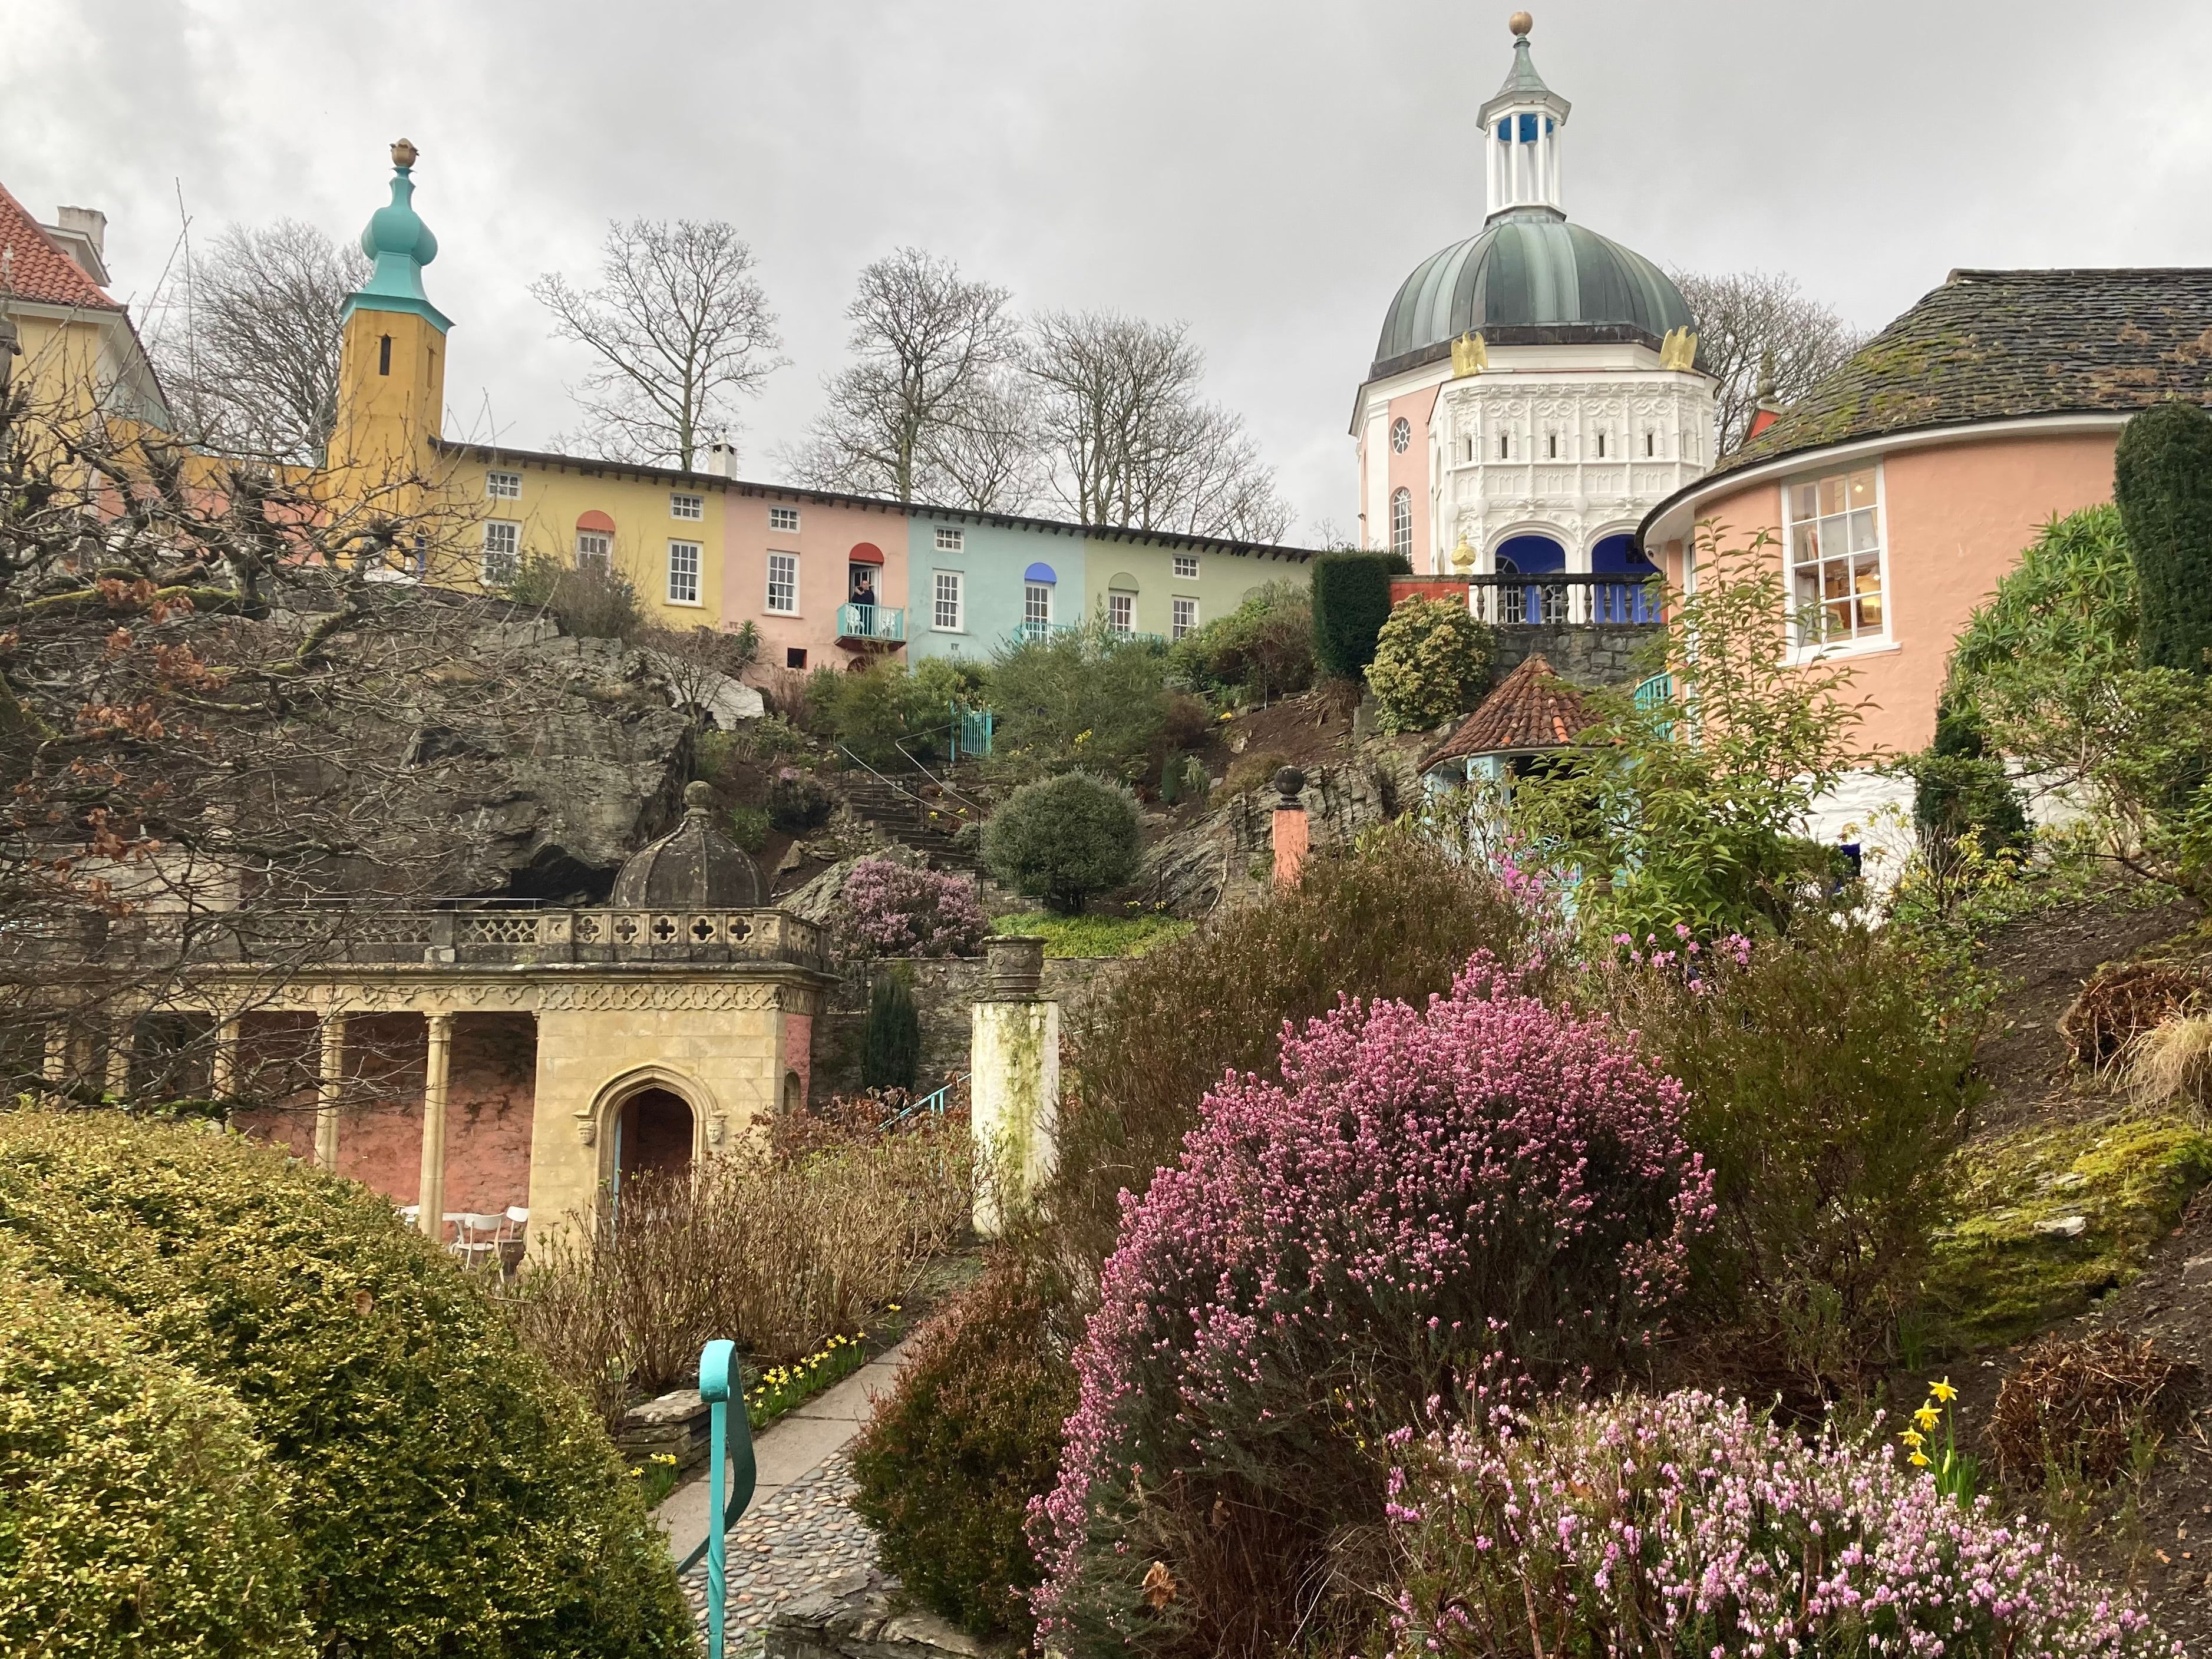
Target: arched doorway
{"points": [[1535, 603], [1629, 601], [654, 1136]]}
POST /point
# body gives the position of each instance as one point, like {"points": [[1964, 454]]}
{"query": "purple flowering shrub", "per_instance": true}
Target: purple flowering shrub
{"points": [[894, 909], [1431, 1204], [1684, 1525]]}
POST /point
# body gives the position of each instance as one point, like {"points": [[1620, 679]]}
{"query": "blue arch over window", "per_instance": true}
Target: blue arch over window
{"points": [[1529, 555], [1618, 554], [1039, 572]]}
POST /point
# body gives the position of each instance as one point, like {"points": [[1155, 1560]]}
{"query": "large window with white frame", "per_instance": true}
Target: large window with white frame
{"points": [[1402, 523], [783, 584], [1833, 531], [594, 550], [1121, 613], [503, 551], [945, 607], [1036, 605], [683, 572], [1186, 616]]}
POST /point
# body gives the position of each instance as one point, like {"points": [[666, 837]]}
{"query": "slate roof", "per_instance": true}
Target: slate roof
{"points": [[2002, 345], [1531, 708], [33, 268]]}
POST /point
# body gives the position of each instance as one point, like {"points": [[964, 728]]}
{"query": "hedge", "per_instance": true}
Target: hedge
{"points": [[1351, 602], [447, 1495], [2162, 481]]}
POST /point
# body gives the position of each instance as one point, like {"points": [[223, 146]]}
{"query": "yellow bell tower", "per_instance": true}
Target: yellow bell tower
{"points": [[391, 363]]}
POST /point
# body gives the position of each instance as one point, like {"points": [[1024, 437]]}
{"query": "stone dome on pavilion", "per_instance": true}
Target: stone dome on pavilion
{"points": [[694, 867]]}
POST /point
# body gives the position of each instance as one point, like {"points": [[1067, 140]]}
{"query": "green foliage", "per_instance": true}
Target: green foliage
{"points": [[749, 827], [445, 1494], [868, 710], [890, 1046], [1095, 936], [797, 805], [140, 1515], [2162, 485], [1431, 657], [1960, 787], [948, 1465], [1686, 809], [589, 602], [1085, 698], [2005, 1267], [1351, 603], [1062, 839], [1826, 1090], [1262, 650]]}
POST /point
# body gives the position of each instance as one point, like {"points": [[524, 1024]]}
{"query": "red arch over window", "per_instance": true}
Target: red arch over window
{"points": [[598, 521], [865, 553]]}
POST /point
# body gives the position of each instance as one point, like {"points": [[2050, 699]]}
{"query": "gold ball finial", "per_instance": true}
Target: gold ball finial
{"points": [[1521, 22], [403, 154]]}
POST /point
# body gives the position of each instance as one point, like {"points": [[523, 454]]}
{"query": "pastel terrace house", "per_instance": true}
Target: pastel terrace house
{"points": [[828, 579]]}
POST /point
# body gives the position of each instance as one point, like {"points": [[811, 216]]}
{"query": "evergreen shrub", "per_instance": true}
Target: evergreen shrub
{"points": [[1063, 839], [1263, 649], [138, 1515], [949, 1463], [1351, 603], [1431, 657], [1960, 787], [797, 803], [1430, 1205], [447, 1495], [890, 1044], [2162, 484], [1086, 699]]}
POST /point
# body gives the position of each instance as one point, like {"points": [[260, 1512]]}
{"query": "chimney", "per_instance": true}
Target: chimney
{"points": [[720, 459], [82, 231]]}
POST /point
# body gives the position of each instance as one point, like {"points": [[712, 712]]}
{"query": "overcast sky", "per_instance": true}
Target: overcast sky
{"points": [[1266, 173]]}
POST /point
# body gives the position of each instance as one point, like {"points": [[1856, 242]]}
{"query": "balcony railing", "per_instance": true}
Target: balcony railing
{"points": [[872, 624], [1560, 599], [490, 936]]}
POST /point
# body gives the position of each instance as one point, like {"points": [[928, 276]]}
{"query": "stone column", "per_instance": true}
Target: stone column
{"points": [[57, 1051], [437, 1067], [1014, 1058], [118, 1058], [222, 1073], [1291, 830], [328, 1083]]}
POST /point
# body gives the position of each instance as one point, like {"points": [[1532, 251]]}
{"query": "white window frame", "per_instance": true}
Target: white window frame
{"points": [[1401, 536], [1036, 605], [601, 557], [1183, 616], [789, 563], [1121, 614], [950, 539], [1186, 567], [689, 508], [499, 566], [502, 486], [783, 520], [676, 570], [1796, 653], [948, 598]]}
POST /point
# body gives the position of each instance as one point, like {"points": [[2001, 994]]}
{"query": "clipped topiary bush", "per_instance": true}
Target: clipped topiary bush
{"points": [[949, 1463], [894, 909], [2162, 483], [1430, 658], [1432, 1203], [1685, 1524], [137, 1513], [1063, 839], [890, 1044], [1351, 603], [447, 1495]]}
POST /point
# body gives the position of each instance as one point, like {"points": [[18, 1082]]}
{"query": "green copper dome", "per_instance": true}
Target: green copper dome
{"points": [[401, 244], [1527, 268]]}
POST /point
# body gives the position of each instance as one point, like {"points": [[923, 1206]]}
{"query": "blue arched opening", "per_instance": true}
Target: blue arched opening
{"points": [[1530, 604], [1635, 597]]}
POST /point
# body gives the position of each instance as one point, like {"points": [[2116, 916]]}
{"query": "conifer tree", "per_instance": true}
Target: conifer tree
{"points": [[2162, 480], [891, 1048]]}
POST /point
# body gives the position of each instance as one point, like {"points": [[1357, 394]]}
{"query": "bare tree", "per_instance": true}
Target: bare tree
{"points": [[1744, 317], [249, 354], [988, 460], [680, 327], [1130, 440], [927, 346]]}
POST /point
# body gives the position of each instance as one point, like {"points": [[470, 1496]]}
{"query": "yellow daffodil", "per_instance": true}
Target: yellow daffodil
{"points": [[1943, 1391], [1913, 1439], [1919, 1460], [1928, 1417]]}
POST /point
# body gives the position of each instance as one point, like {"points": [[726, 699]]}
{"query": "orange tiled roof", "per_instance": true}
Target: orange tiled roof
{"points": [[1531, 707], [33, 268]]}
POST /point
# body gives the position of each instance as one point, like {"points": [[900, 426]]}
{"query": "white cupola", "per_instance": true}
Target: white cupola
{"points": [[1521, 134]]}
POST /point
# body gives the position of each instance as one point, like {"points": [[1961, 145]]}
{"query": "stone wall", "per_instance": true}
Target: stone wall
{"points": [[1586, 653], [944, 986]]}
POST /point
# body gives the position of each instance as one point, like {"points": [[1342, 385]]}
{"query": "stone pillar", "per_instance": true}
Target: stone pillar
{"points": [[329, 1080], [57, 1051], [222, 1074], [1291, 828], [1014, 1059], [119, 1059], [437, 1067]]}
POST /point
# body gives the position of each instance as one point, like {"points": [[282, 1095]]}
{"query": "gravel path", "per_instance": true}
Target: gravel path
{"points": [[799, 1540]]}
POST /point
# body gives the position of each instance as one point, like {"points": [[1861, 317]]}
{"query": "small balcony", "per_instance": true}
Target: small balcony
{"points": [[1560, 599], [880, 626]]}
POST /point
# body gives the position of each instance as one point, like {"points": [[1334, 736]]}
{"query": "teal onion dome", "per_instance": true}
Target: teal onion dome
{"points": [[401, 245]]}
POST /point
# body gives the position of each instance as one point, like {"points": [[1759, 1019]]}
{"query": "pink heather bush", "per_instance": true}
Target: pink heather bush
{"points": [[1431, 1206], [1683, 1525], [897, 910]]}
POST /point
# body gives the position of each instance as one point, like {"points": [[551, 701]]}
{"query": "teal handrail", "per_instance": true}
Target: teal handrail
{"points": [[934, 1102], [731, 1477]]}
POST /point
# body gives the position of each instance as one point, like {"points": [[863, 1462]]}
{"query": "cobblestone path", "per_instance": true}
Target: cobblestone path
{"points": [[799, 1541]]}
